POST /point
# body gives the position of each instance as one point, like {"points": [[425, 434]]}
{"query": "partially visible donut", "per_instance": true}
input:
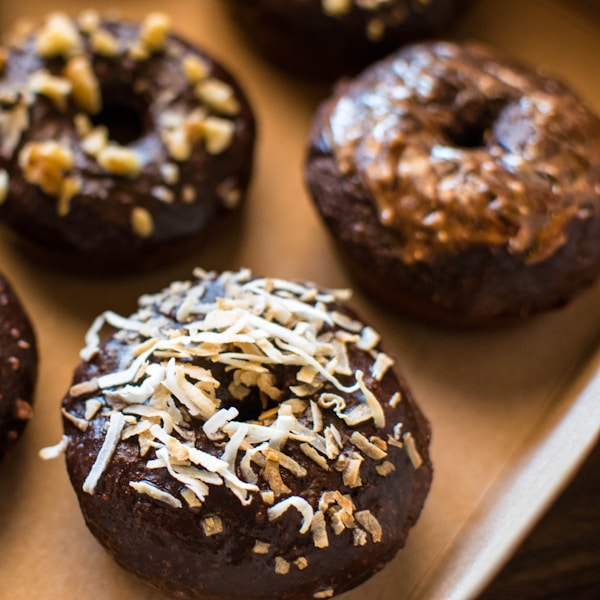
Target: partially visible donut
{"points": [[461, 187], [120, 144], [328, 38], [244, 437], [18, 367]]}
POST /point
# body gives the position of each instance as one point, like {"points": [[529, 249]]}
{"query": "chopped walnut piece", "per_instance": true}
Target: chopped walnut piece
{"points": [[55, 88], [218, 134], [195, 68], [71, 186], [95, 141], [119, 160], [154, 30], [104, 43], [86, 89], [58, 37], [142, 222], [44, 164], [218, 95], [88, 20]]}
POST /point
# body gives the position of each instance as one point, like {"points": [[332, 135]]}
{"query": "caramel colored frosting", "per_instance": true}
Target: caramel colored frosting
{"points": [[459, 148]]}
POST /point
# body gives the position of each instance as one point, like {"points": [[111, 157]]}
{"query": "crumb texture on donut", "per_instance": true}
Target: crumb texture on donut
{"points": [[238, 428], [18, 367], [447, 161], [117, 139]]}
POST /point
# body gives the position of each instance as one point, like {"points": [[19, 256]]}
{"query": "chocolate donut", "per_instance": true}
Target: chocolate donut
{"points": [[460, 187], [121, 145], [327, 38], [18, 367], [240, 436]]}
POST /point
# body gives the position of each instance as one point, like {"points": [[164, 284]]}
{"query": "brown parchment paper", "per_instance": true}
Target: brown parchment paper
{"points": [[513, 409]]}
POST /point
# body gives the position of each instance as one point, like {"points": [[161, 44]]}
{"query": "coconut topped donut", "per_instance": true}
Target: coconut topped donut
{"points": [[119, 142], [474, 167], [240, 429]]}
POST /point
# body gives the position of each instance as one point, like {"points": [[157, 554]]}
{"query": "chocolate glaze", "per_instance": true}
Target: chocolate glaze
{"points": [[166, 546], [96, 232], [18, 367], [468, 183], [300, 35]]}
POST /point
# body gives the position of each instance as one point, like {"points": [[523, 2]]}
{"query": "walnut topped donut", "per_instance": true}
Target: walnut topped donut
{"points": [[120, 144], [18, 367], [328, 38], [242, 429], [462, 187]]}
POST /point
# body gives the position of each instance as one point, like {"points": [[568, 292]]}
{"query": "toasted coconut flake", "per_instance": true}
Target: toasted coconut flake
{"points": [[272, 475], [149, 489], [51, 452], [395, 400], [381, 365], [80, 423], [318, 529], [385, 468], [359, 537], [411, 450], [366, 447], [374, 404], [300, 504], [92, 406], [191, 498], [370, 523], [309, 451], [109, 445], [369, 338], [13, 122]]}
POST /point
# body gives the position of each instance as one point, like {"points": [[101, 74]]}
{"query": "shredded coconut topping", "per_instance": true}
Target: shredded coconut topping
{"points": [[195, 347]]}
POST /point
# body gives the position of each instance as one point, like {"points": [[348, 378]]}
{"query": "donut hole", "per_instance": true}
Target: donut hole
{"points": [[473, 124], [124, 114]]}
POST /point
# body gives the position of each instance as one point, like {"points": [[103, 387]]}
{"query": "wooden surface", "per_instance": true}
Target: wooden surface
{"points": [[560, 559]]}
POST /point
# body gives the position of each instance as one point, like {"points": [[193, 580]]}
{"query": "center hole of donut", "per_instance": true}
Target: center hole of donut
{"points": [[469, 135], [125, 121], [473, 123]]}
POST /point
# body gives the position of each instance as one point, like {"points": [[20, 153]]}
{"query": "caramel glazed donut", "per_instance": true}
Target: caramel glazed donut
{"points": [[328, 38], [461, 187], [120, 144], [18, 367], [238, 432]]}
